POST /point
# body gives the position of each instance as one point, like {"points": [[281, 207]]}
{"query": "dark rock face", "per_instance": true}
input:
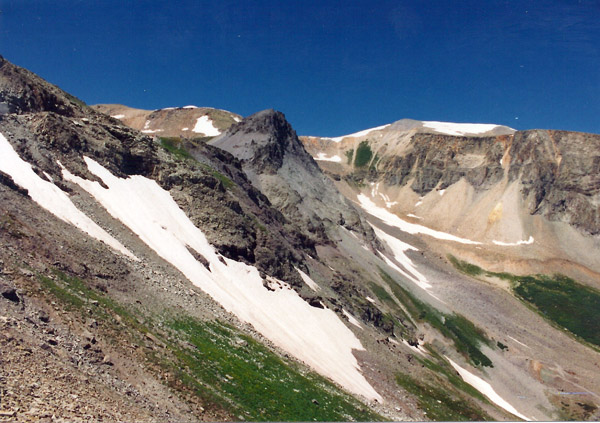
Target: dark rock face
{"points": [[21, 92], [560, 173], [9, 293], [440, 161], [6, 180]]}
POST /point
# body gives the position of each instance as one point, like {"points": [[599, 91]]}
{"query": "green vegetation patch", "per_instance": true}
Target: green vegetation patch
{"points": [[213, 361], [227, 183], [76, 295], [256, 382], [438, 403], [173, 146], [558, 298], [363, 154], [349, 155], [466, 336], [565, 302]]}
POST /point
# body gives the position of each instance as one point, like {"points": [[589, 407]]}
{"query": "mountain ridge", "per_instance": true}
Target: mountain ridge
{"points": [[253, 245]]}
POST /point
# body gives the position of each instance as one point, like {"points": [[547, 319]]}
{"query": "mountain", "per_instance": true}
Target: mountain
{"points": [[531, 196], [147, 277], [187, 122]]}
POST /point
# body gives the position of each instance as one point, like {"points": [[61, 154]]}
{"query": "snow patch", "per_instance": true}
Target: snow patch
{"points": [[458, 129], [237, 119], [358, 134], [486, 389], [52, 198], [151, 131], [371, 300], [190, 107], [414, 216], [351, 319], [414, 348], [511, 244], [323, 157], [398, 248], [118, 116], [316, 336], [442, 192], [204, 125], [185, 129], [519, 342], [307, 280], [412, 228]]}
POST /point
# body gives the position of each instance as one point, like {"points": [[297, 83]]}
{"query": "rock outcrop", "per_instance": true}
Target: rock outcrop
{"points": [[278, 165]]}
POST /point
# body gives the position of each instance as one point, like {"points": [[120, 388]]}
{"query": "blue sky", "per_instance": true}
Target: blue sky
{"points": [[333, 67]]}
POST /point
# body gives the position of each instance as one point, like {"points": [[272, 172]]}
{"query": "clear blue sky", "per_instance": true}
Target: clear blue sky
{"points": [[333, 67]]}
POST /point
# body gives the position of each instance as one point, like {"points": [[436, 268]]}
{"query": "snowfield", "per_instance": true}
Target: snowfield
{"points": [[359, 134], [325, 158], [307, 280], [204, 125], [486, 389], [352, 319], [459, 129], [316, 336], [399, 248], [52, 198], [412, 228], [511, 244]]}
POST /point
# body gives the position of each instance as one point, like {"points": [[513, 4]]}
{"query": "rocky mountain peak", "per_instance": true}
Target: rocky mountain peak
{"points": [[262, 140], [21, 91]]}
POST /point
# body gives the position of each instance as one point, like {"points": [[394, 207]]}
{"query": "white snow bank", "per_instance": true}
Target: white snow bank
{"points": [[414, 216], [52, 198], [510, 244], [351, 319], [307, 280], [118, 116], [185, 129], [412, 228], [458, 129], [325, 158], [316, 336], [190, 107], [151, 131], [486, 389], [358, 134], [204, 125], [399, 248]]}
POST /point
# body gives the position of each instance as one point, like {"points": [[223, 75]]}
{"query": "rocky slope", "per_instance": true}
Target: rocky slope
{"points": [[189, 122], [151, 278]]}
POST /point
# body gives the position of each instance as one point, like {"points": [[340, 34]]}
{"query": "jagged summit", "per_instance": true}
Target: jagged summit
{"points": [[262, 141], [276, 161]]}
